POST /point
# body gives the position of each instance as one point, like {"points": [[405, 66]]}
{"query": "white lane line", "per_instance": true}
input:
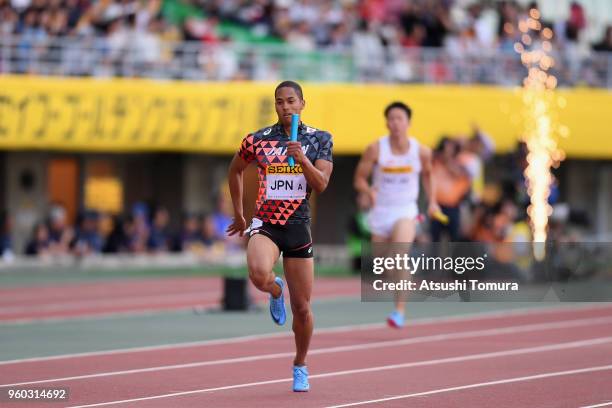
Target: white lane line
{"points": [[483, 384], [123, 290], [354, 347], [533, 311], [469, 357], [604, 404], [130, 298], [104, 315], [203, 304], [128, 301]]}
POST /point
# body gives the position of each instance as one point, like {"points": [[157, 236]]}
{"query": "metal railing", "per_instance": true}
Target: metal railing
{"points": [[147, 56]]}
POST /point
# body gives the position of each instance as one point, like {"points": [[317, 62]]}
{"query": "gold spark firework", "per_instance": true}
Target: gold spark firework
{"points": [[541, 127]]}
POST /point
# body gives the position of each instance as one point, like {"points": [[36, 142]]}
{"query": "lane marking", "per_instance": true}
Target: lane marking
{"points": [[469, 357], [127, 301], [532, 311], [362, 346], [483, 384]]}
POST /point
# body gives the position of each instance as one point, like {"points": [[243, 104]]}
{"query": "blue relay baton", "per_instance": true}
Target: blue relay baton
{"points": [[295, 119]]}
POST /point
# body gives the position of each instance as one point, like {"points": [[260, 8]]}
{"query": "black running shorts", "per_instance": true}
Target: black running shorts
{"points": [[293, 240]]}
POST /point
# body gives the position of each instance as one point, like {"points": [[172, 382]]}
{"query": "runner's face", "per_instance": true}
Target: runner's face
{"points": [[397, 122], [287, 103]]}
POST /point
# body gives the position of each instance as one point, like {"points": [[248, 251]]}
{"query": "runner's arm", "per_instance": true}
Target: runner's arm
{"points": [[234, 179], [317, 175], [429, 183], [364, 170]]}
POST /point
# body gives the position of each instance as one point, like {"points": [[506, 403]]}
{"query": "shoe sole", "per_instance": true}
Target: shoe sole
{"points": [[279, 323], [392, 323]]}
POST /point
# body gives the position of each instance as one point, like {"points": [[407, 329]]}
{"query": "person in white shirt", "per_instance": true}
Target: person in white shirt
{"points": [[396, 162]]}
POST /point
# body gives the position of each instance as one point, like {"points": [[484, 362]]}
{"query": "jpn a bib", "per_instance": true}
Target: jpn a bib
{"points": [[284, 182]]}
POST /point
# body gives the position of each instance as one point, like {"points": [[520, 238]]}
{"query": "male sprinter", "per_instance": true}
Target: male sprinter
{"points": [[396, 161], [282, 219]]}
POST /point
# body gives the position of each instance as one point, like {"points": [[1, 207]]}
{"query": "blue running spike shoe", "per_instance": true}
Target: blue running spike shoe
{"points": [[396, 320], [300, 379], [277, 305]]}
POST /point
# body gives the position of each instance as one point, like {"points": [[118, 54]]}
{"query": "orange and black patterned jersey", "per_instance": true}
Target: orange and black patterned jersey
{"points": [[283, 191]]}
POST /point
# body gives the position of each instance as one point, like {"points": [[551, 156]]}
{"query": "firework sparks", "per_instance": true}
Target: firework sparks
{"points": [[540, 124]]}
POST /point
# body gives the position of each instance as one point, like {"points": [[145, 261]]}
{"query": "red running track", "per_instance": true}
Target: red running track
{"points": [[133, 296], [539, 358]]}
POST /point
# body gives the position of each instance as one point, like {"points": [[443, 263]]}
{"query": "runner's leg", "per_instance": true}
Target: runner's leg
{"points": [[262, 254], [404, 231], [299, 273]]}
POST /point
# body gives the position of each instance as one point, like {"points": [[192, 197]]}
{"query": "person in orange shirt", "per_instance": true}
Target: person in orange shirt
{"points": [[452, 183]]}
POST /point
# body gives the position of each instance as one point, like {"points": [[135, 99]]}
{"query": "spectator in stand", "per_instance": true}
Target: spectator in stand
{"points": [[139, 230], [39, 242], [475, 151], [87, 239], [6, 248], [300, 38], [368, 50], [576, 22], [60, 234], [197, 235], [189, 238], [113, 30], [222, 218], [514, 181], [119, 241], [452, 185], [606, 43], [159, 236], [256, 14], [8, 20], [208, 235], [507, 29]]}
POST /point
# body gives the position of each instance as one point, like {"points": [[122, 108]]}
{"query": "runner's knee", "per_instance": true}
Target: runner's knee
{"points": [[301, 310], [259, 275]]}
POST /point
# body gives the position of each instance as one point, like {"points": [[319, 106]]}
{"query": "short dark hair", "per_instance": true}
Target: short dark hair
{"points": [[398, 105], [448, 140], [290, 84]]}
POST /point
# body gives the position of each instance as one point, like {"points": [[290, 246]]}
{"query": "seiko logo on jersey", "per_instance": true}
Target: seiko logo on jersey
{"points": [[283, 169]]}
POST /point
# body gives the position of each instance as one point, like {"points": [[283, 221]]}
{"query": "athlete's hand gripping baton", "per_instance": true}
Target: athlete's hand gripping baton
{"points": [[440, 217], [295, 120]]}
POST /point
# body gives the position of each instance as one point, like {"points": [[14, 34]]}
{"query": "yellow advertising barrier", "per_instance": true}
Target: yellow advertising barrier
{"points": [[145, 115]]}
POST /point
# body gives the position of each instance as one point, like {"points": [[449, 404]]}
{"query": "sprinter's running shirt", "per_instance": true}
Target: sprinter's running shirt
{"points": [[283, 192]]}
